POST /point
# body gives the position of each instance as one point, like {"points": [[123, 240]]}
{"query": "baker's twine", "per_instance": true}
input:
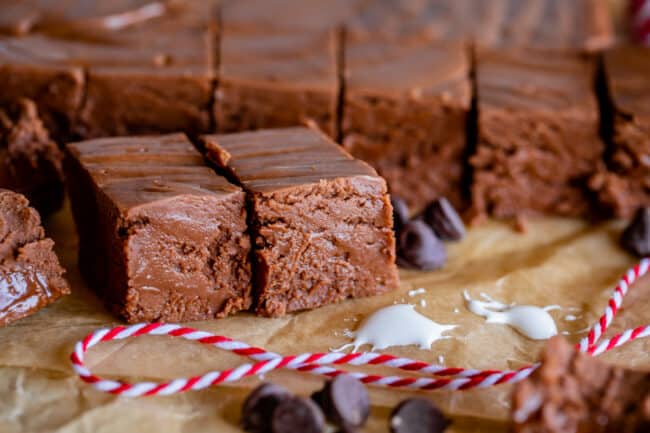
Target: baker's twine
{"points": [[325, 364]]}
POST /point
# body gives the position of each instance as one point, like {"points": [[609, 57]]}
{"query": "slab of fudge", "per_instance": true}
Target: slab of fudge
{"points": [[276, 79], [320, 220], [30, 162], [538, 133], [573, 392], [583, 25], [152, 78], [625, 185], [30, 274], [162, 237], [300, 16], [405, 113], [36, 68]]}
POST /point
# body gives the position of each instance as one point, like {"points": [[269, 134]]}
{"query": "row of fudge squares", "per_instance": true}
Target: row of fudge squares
{"points": [[529, 122], [295, 223]]}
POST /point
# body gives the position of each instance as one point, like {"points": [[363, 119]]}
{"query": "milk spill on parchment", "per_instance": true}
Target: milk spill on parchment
{"points": [[531, 321], [397, 325]]}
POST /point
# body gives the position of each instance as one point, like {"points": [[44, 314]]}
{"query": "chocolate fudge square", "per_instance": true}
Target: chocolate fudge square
{"points": [[405, 113], [162, 237], [538, 133], [30, 274], [625, 185], [30, 162], [276, 79], [35, 67], [321, 221], [573, 392], [156, 78]]}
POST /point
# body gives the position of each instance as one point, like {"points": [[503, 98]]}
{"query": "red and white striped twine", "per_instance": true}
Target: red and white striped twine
{"points": [[325, 364]]}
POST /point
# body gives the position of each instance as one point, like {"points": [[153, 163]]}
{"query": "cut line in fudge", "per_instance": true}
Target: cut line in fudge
{"points": [[624, 185], [320, 221], [162, 237], [30, 274]]}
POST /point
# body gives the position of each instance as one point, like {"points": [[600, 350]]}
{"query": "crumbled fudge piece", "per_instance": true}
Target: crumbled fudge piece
{"points": [[572, 392], [273, 80], [162, 237], [538, 134], [30, 274], [321, 221], [405, 113], [625, 185], [30, 162]]}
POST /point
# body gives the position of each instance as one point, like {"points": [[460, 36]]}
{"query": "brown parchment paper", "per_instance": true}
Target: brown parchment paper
{"points": [[558, 261]]}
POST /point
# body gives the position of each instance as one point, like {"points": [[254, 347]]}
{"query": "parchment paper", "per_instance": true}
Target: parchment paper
{"points": [[558, 261]]}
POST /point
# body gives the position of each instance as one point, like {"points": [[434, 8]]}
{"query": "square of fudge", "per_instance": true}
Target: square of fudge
{"points": [[624, 185], [153, 78], [321, 221], [35, 67], [30, 274], [405, 113], [276, 79], [162, 237], [538, 133], [30, 162]]}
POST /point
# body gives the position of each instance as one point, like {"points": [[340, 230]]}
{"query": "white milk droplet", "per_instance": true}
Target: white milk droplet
{"points": [[571, 318], [416, 292], [531, 321], [423, 303], [397, 325], [441, 359]]}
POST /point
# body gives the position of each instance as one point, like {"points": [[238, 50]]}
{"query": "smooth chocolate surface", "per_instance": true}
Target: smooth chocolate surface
{"points": [[405, 113], [550, 24], [538, 133], [30, 162], [321, 221], [30, 274], [573, 392], [162, 237], [276, 79], [625, 185]]}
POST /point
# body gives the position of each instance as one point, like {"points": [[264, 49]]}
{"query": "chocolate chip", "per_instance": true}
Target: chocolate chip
{"points": [[259, 406], [297, 415], [417, 415], [636, 237], [441, 216], [345, 402], [400, 212], [419, 248]]}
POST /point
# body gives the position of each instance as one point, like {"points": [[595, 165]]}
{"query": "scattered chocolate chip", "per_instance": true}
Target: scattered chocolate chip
{"points": [[297, 415], [441, 216], [259, 406], [636, 237], [417, 415], [418, 247], [344, 401], [400, 212]]}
